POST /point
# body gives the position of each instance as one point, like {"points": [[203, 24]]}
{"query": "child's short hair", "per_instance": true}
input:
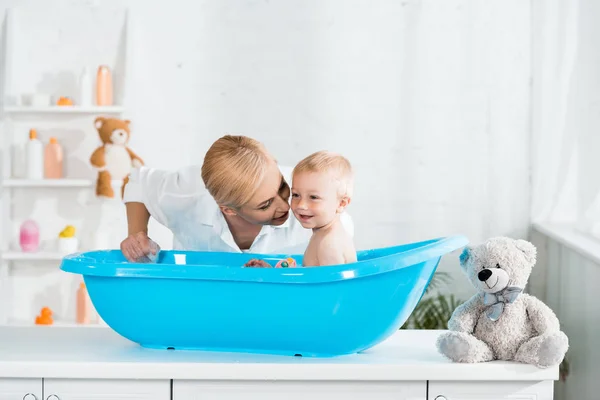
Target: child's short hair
{"points": [[326, 161]]}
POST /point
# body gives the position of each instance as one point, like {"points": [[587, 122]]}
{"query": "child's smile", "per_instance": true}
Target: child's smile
{"points": [[314, 199]]}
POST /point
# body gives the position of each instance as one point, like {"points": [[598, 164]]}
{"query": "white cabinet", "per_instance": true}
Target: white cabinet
{"points": [[142, 389], [106, 389], [482, 390], [20, 389], [298, 390]]}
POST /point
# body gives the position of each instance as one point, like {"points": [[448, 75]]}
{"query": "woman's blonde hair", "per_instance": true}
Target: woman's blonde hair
{"points": [[233, 168]]}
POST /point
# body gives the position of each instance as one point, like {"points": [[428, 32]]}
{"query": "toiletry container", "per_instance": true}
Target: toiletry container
{"points": [[41, 100], [85, 88], [29, 236], [104, 89], [83, 305], [67, 241], [53, 160], [34, 154]]}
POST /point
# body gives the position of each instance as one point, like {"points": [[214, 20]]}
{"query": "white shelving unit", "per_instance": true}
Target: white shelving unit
{"points": [[14, 114], [61, 110], [34, 256], [48, 183]]}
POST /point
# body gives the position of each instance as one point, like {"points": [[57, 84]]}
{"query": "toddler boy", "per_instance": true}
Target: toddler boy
{"points": [[322, 186]]}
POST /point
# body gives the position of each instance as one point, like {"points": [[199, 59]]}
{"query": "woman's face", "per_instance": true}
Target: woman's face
{"points": [[269, 205]]}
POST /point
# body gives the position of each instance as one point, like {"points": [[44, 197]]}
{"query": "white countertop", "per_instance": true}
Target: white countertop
{"points": [[81, 352]]}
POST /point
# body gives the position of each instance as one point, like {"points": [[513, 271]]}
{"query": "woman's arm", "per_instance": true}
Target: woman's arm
{"points": [[137, 218], [161, 194]]}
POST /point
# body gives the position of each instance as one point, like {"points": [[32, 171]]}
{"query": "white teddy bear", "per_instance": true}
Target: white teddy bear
{"points": [[501, 322]]}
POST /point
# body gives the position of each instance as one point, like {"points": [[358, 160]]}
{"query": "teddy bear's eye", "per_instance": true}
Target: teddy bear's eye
{"points": [[497, 265]]}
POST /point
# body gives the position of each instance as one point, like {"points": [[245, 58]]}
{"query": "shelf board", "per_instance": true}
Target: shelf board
{"points": [[32, 256], [56, 323], [64, 110], [65, 183]]}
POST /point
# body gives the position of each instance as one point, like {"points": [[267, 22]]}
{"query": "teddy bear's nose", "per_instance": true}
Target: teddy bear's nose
{"points": [[484, 275]]}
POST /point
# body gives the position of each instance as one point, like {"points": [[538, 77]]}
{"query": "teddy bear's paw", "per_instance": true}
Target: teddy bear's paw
{"points": [[453, 346], [544, 351], [464, 348], [552, 349]]}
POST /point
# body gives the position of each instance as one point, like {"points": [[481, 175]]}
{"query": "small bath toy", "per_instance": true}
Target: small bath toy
{"points": [[68, 232], [45, 317], [67, 242], [288, 262], [64, 101], [197, 300]]}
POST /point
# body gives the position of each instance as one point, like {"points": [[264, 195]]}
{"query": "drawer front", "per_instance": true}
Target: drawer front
{"points": [[298, 390], [493, 390]]}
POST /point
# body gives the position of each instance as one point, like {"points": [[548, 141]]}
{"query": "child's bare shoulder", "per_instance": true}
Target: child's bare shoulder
{"points": [[330, 250], [331, 238]]}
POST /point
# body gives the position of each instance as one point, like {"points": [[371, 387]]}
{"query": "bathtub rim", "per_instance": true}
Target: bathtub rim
{"points": [[87, 264]]}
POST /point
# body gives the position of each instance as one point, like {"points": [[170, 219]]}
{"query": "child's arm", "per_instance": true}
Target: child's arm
{"points": [[256, 263]]}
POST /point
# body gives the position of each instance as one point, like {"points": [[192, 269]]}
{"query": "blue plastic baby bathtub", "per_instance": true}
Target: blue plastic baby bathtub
{"points": [[208, 301]]}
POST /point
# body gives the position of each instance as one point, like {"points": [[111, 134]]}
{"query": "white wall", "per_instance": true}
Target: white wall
{"points": [[428, 99], [565, 117]]}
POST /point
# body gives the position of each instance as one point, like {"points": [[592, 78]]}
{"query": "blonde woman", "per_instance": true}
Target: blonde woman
{"points": [[238, 200]]}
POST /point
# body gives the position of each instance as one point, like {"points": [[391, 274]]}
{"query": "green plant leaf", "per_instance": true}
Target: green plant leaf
{"points": [[564, 368], [438, 279], [432, 313]]}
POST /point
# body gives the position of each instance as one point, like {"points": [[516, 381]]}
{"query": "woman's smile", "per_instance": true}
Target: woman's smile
{"points": [[282, 217]]}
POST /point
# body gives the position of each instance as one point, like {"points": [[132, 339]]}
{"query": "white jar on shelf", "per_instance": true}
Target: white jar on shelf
{"points": [[68, 245]]}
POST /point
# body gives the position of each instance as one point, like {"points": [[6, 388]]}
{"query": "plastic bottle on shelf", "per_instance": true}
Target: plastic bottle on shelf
{"points": [[104, 89], [85, 88], [53, 160], [83, 305], [34, 155], [29, 236]]}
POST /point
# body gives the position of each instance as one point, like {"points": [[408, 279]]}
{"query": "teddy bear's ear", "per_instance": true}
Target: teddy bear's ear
{"points": [[527, 248], [99, 122], [127, 121], [464, 256]]}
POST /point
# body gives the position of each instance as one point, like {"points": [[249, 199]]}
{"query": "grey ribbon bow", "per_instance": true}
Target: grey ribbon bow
{"points": [[495, 301]]}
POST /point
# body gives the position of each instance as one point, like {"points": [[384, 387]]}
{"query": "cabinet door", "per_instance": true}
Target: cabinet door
{"points": [[298, 390], [20, 389], [94, 389], [491, 390]]}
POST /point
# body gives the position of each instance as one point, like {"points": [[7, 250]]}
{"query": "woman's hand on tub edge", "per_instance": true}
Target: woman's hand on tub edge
{"points": [[136, 246]]}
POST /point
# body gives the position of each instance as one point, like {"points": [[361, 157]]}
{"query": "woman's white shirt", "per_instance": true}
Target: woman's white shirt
{"points": [[179, 201]]}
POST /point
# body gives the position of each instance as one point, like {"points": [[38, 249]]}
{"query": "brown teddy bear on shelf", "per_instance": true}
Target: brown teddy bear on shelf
{"points": [[113, 159]]}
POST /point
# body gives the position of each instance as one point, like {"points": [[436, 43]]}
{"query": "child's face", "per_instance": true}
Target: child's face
{"points": [[315, 199]]}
